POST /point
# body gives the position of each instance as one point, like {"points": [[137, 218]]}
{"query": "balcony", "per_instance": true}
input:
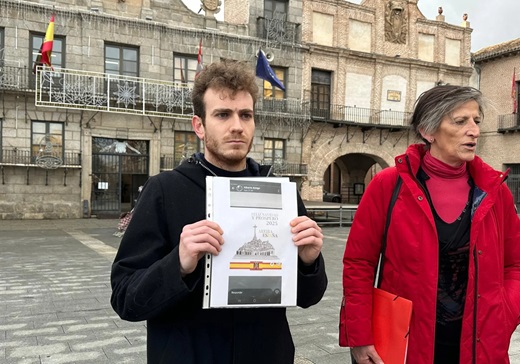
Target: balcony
{"points": [[15, 78], [67, 88], [293, 107], [76, 89], [284, 169], [280, 168], [25, 158], [278, 30], [508, 123], [16, 157], [340, 115], [169, 163]]}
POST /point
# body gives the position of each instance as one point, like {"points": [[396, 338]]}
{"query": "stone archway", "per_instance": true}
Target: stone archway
{"points": [[320, 151]]}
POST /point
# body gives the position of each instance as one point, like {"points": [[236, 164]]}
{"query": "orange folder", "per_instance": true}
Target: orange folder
{"points": [[391, 316]]}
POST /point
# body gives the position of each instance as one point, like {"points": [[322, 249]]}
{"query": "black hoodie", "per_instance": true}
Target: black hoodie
{"points": [[147, 284]]}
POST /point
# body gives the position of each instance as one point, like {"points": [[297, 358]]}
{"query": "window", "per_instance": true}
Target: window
{"points": [[274, 98], [274, 92], [47, 137], [274, 25], [121, 60], [275, 9], [320, 94], [57, 56], [186, 143], [58, 50], [274, 151], [184, 68]]}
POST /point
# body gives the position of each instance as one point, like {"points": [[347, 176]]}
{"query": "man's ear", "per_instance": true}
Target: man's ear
{"points": [[198, 127]]}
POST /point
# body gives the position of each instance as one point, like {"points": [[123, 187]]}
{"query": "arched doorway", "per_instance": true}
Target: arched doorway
{"points": [[349, 174]]}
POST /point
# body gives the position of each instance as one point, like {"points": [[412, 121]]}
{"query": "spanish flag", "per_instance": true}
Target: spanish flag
{"points": [[44, 56]]}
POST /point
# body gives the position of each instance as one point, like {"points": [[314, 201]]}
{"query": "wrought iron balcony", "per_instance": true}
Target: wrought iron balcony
{"points": [[15, 78], [508, 122], [358, 116], [169, 163], [67, 88], [293, 107], [282, 168], [278, 30], [25, 157]]}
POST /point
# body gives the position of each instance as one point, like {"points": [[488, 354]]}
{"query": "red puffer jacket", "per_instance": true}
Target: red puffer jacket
{"points": [[492, 306]]}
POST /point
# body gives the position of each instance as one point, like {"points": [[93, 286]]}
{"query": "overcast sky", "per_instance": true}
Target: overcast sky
{"points": [[493, 22]]}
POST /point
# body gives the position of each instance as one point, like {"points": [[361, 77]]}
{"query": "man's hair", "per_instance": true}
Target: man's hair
{"points": [[231, 75], [433, 105]]}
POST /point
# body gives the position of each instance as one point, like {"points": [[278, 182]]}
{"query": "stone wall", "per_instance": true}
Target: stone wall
{"points": [[495, 83], [36, 193]]}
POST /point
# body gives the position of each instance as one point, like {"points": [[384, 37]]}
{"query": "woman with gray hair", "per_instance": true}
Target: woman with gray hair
{"points": [[452, 244]]}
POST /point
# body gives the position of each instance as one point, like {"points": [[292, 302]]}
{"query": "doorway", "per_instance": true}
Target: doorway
{"points": [[119, 168]]}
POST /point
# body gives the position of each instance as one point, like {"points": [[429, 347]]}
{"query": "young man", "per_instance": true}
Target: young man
{"points": [[158, 272]]}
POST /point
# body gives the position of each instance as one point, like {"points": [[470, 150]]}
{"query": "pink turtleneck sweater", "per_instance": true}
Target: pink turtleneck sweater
{"points": [[448, 187]]}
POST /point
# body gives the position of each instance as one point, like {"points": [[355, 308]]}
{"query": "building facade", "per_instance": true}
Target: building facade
{"points": [[365, 67], [498, 69], [79, 139]]}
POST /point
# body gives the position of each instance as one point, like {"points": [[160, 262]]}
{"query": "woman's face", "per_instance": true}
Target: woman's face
{"points": [[455, 141]]}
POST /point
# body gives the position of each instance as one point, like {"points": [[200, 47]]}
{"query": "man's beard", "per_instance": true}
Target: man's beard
{"points": [[231, 157]]}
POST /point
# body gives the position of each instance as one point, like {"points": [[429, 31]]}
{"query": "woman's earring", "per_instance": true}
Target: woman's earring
{"points": [[431, 140]]}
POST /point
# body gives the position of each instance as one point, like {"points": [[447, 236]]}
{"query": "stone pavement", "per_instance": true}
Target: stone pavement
{"points": [[55, 291]]}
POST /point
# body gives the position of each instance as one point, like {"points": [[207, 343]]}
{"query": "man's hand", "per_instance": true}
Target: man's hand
{"points": [[196, 240], [366, 355], [307, 237]]}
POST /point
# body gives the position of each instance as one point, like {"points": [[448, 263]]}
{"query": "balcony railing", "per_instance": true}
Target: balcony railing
{"points": [[278, 30], [75, 89], [282, 168], [169, 163], [20, 157], [68, 88], [279, 168], [293, 107], [508, 122], [14, 78], [340, 114]]}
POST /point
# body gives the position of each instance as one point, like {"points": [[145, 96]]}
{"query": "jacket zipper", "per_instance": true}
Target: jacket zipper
{"points": [[475, 297], [205, 167]]}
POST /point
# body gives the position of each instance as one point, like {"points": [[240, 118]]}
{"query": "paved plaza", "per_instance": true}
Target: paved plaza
{"points": [[55, 291]]}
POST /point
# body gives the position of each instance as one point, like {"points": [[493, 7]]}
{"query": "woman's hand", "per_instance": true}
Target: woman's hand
{"points": [[366, 355]]}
